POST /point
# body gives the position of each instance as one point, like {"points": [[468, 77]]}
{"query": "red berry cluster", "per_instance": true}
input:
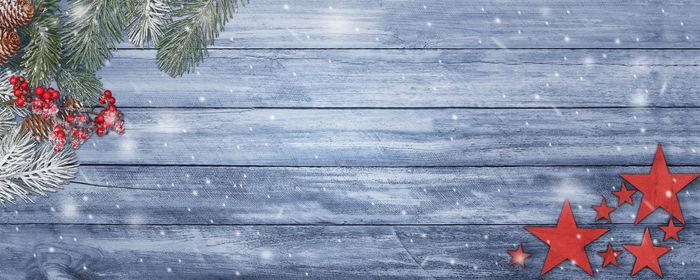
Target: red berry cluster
{"points": [[71, 124]]}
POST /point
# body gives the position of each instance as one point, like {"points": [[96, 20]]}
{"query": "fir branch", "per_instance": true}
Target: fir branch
{"points": [[94, 28], [83, 86], [147, 19], [184, 43], [28, 167], [42, 55], [7, 120]]}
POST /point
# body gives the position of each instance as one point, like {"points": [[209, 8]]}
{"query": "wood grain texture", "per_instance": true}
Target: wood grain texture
{"points": [[362, 137], [388, 139], [170, 195], [412, 78], [459, 24], [342, 252]]}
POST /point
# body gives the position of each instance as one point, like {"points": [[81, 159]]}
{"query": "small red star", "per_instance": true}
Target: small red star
{"points": [[603, 211], [609, 256], [671, 231], [518, 256], [566, 241], [624, 195], [659, 188], [647, 255]]}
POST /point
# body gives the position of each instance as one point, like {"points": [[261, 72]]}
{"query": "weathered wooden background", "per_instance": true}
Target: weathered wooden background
{"points": [[378, 139]]}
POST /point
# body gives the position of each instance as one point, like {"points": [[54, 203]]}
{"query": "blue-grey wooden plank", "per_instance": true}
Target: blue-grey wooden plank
{"points": [[280, 195], [460, 24], [412, 78], [376, 137], [318, 252]]}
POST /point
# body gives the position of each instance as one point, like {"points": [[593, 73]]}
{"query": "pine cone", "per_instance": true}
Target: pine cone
{"points": [[15, 13], [9, 45]]}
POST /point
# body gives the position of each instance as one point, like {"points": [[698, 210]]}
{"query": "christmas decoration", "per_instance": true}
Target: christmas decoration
{"points": [[13, 14], [603, 211], [68, 45], [63, 120], [624, 195], [31, 167], [671, 231], [518, 256], [647, 255], [609, 256], [659, 188], [9, 45], [567, 241]]}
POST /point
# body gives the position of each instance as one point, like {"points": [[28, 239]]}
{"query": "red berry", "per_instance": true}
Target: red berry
{"points": [[103, 100], [45, 115], [47, 105], [82, 118], [70, 118], [39, 90], [99, 119], [112, 100], [100, 131], [37, 102], [60, 134], [75, 144], [83, 136], [46, 95], [20, 101], [50, 89], [57, 149], [52, 101], [18, 93], [76, 134], [13, 80], [57, 128], [55, 94], [25, 85], [16, 87], [108, 93], [112, 108]]}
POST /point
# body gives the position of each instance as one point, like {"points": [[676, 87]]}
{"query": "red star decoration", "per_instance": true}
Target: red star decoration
{"points": [[603, 211], [609, 256], [566, 241], [624, 195], [671, 231], [659, 188], [518, 256], [647, 255]]}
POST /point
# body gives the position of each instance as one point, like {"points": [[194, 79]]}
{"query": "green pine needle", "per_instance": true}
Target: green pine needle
{"points": [[42, 55], [184, 43], [83, 86], [94, 29]]}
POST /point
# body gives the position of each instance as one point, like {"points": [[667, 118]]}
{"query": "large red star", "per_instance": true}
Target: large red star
{"points": [[609, 256], [647, 255], [659, 188], [671, 231], [624, 195], [518, 256], [603, 211], [566, 241]]}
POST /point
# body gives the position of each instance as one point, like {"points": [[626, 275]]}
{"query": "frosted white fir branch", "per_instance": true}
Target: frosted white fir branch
{"points": [[149, 18], [28, 167]]}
